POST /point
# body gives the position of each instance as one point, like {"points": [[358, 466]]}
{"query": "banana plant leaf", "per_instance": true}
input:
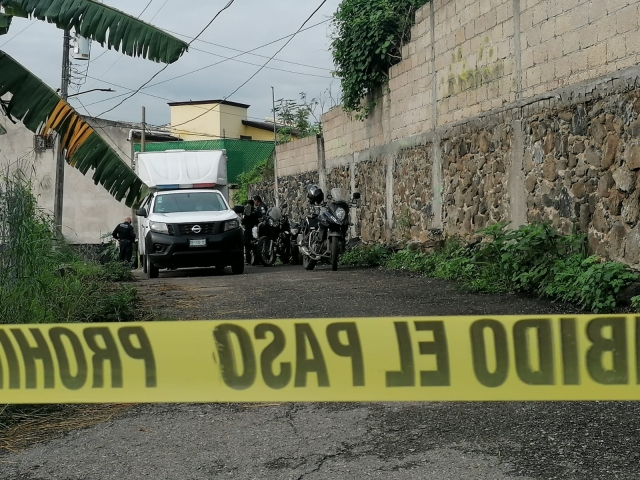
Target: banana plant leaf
{"points": [[43, 112], [103, 24], [5, 23]]}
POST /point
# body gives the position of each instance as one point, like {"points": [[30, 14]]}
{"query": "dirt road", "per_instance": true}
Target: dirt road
{"points": [[327, 441]]}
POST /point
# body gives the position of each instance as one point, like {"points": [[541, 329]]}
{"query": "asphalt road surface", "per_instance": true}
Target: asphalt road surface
{"points": [[438, 441]]}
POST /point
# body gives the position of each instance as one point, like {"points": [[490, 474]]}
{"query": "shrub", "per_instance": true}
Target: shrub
{"points": [[248, 178], [367, 256], [533, 259]]}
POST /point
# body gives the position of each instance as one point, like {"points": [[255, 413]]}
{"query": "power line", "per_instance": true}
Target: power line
{"points": [[126, 155], [206, 67], [262, 67], [145, 8], [159, 10], [167, 65], [254, 64], [243, 53], [12, 38], [170, 100], [188, 132], [212, 20], [258, 55], [121, 55]]}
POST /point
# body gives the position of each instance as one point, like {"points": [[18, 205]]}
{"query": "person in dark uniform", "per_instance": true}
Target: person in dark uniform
{"points": [[249, 220], [261, 208], [125, 235]]}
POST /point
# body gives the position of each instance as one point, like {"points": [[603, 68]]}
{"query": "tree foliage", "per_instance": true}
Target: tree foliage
{"points": [[298, 118], [5, 23], [303, 118], [369, 35], [101, 23], [43, 112]]}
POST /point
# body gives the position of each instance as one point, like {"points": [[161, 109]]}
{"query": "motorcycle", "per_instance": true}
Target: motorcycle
{"points": [[255, 255], [274, 233], [295, 250], [324, 233]]}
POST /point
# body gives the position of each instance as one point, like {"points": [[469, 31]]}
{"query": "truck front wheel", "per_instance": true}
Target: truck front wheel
{"points": [[238, 267], [152, 270]]}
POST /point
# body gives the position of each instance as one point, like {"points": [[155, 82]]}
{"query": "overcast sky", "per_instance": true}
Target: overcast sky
{"points": [[247, 24]]}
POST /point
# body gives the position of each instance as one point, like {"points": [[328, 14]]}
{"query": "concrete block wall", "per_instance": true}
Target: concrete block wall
{"points": [[297, 157], [486, 55], [474, 57], [571, 41], [337, 127]]}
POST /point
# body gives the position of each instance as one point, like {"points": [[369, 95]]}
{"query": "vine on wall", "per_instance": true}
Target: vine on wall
{"points": [[368, 41]]}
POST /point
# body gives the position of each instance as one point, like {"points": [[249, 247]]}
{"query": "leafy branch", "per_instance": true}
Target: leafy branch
{"points": [[369, 36]]}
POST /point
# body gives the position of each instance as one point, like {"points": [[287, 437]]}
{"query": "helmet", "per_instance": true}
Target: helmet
{"points": [[315, 194]]}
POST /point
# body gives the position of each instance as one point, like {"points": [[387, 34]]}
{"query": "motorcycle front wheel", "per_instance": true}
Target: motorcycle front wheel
{"points": [[295, 255], [267, 255], [308, 263], [335, 253], [285, 256]]}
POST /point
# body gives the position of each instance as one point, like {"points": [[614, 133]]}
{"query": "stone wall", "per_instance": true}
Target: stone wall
{"points": [[501, 110], [291, 192], [475, 166], [582, 169]]}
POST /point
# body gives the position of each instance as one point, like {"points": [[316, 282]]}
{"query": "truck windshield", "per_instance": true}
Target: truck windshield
{"points": [[189, 202]]}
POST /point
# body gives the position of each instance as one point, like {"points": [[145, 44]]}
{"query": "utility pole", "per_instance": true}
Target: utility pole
{"points": [[275, 146], [143, 133], [60, 163], [143, 148]]}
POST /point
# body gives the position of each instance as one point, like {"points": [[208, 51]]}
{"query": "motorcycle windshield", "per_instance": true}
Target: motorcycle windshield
{"points": [[276, 214], [340, 195]]}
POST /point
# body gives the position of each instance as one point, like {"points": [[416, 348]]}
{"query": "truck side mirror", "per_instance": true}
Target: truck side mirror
{"points": [[142, 212], [356, 196], [239, 209]]}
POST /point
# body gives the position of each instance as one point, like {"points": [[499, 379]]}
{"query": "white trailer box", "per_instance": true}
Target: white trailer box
{"points": [[181, 169]]}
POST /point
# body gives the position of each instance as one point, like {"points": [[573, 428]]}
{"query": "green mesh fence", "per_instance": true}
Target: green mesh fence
{"points": [[242, 155]]}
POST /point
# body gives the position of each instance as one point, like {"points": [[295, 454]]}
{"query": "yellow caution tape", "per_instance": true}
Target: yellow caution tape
{"points": [[324, 360]]}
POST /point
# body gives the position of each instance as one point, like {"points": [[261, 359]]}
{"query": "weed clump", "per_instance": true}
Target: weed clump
{"points": [[533, 259]]}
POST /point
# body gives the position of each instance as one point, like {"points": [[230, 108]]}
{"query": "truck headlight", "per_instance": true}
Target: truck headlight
{"points": [[341, 213], [231, 225], [159, 227]]}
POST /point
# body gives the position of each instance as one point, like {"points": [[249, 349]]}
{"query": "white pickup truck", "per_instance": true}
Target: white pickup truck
{"points": [[186, 220]]}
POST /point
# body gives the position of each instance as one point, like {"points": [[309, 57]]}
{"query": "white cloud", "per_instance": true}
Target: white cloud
{"points": [[247, 24]]}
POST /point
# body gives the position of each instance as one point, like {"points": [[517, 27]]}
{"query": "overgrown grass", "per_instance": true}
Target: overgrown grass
{"points": [[41, 279], [533, 259]]}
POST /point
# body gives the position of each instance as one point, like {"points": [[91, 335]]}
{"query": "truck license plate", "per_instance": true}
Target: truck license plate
{"points": [[198, 243]]}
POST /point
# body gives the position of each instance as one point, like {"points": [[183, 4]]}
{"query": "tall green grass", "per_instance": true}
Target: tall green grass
{"points": [[42, 280]]}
